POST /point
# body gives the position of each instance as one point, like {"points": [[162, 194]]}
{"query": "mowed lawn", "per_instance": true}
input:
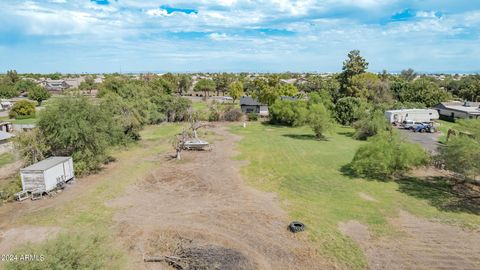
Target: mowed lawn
{"points": [[307, 175]]}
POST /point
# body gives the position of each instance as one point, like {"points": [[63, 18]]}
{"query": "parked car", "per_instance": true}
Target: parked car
{"points": [[227, 98], [410, 124], [425, 127]]}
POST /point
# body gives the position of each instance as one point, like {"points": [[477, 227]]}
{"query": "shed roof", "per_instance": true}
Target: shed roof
{"points": [[46, 164], [249, 101], [5, 135]]}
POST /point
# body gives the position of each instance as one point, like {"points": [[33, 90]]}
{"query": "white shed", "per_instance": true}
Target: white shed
{"points": [[47, 174], [417, 115]]}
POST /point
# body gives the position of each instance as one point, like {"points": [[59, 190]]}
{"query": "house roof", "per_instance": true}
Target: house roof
{"points": [[249, 101], [467, 107], [46, 164]]}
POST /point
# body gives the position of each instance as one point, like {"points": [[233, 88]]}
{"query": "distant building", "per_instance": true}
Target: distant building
{"points": [[54, 85], [249, 105], [456, 109]]}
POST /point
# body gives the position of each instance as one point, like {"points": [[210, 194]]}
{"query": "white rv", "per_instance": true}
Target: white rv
{"points": [[417, 115]]}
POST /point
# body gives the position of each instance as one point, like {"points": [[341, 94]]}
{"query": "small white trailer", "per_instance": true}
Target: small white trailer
{"points": [[417, 115], [47, 174]]}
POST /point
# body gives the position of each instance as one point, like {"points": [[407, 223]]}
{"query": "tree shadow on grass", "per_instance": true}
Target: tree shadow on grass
{"points": [[441, 193], [346, 133], [305, 137]]}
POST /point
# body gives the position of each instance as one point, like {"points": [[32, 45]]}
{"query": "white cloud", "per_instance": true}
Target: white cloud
{"points": [[157, 12]]}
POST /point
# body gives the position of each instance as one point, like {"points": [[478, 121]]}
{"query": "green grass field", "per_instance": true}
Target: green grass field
{"points": [[307, 175]]}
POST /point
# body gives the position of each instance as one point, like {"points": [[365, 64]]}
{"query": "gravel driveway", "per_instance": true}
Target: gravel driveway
{"points": [[429, 141]]}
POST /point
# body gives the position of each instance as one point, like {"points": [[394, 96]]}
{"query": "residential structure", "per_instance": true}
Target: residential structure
{"points": [[54, 85], [248, 105], [452, 110]]}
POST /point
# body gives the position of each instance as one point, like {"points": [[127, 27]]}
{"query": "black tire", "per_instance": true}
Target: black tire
{"points": [[422, 130], [296, 226]]}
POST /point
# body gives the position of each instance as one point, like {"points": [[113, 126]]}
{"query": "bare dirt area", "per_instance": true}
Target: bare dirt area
{"points": [[11, 238], [199, 211], [421, 244]]}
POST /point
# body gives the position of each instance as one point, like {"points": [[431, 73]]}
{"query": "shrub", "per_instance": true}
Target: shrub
{"points": [[290, 113], [233, 115], [387, 155], [213, 116], [461, 154], [319, 119], [371, 125], [349, 109], [69, 251], [253, 116], [22, 109]]}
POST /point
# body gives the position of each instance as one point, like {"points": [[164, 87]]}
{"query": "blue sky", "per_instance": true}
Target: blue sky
{"points": [[232, 35]]}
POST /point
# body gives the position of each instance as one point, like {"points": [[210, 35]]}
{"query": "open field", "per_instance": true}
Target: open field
{"points": [[307, 175], [146, 203]]}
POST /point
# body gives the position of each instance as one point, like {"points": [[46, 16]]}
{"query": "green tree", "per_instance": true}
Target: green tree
{"points": [[88, 85], [374, 123], [73, 126], [408, 74], [369, 86], [38, 94], [423, 91], [349, 109], [127, 121], [31, 146], [24, 86], [319, 120], [288, 90], [22, 109], [8, 91], [461, 154], [205, 85], [184, 83], [287, 112], [355, 64], [235, 90], [222, 82], [11, 77]]}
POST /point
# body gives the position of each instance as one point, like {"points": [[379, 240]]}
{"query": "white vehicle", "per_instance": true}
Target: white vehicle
{"points": [[410, 124], [418, 115], [227, 98]]}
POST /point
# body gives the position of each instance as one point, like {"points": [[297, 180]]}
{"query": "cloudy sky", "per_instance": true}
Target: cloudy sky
{"points": [[233, 35]]}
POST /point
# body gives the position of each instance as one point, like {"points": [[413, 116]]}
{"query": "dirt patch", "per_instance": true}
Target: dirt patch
{"points": [[366, 197], [421, 244], [11, 238], [204, 199], [9, 170]]}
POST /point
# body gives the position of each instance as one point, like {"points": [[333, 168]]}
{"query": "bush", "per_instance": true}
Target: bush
{"points": [[69, 251], [233, 115], [213, 116], [461, 154], [22, 109], [349, 109], [387, 155], [371, 125], [253, 116], [290, 113], [319, 120]]}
